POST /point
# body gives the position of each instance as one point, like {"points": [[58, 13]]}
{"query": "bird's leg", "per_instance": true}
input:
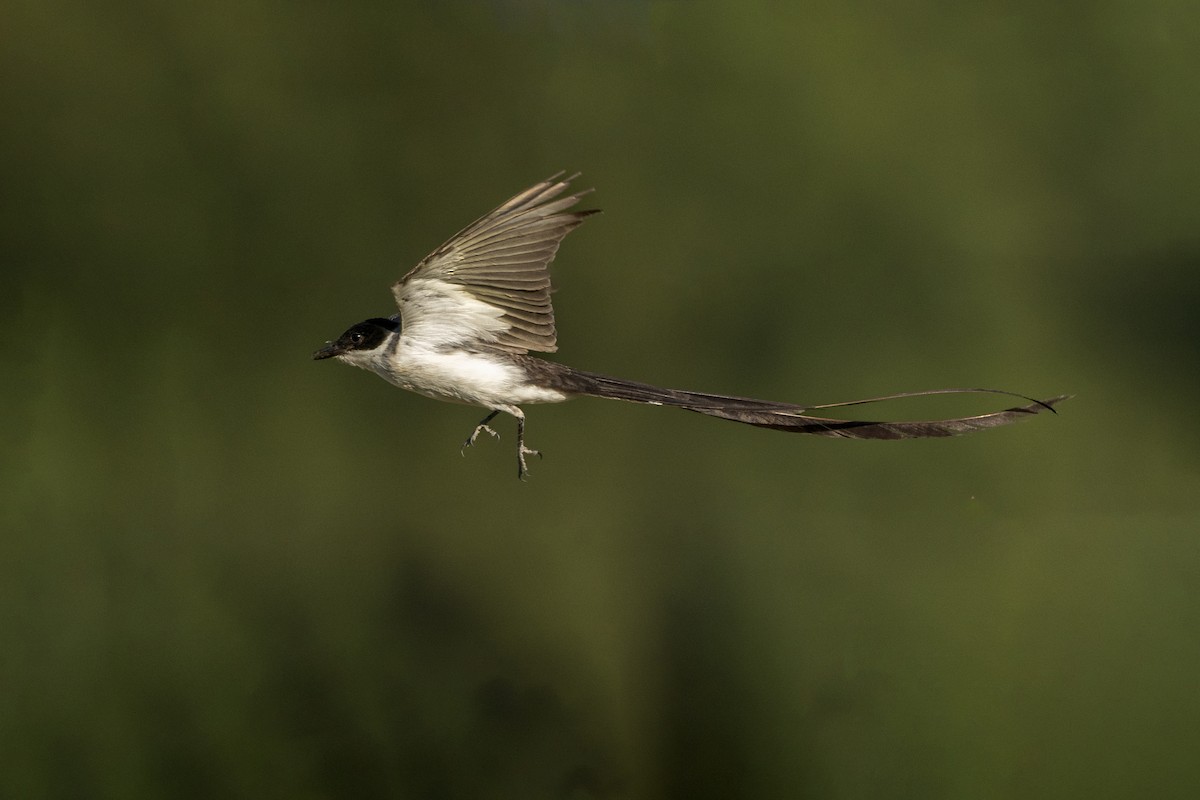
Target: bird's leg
{"points": [[482, 426], [522, 450]]}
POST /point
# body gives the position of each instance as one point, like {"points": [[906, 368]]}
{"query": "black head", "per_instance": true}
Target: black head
{"points": [[366, 335]]}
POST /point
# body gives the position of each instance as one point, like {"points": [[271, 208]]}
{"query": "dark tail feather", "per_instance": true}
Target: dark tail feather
{"points": [[866, 429], [793, 418]]}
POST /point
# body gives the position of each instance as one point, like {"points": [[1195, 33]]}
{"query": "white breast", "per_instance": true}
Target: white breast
{"points": [[482, 379]]}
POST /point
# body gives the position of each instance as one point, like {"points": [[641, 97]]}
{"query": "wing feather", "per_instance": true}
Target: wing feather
{"points": [[490, 282]]}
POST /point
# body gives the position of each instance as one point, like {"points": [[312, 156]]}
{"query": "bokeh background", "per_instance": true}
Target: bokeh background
{"points": [[229, 571]]}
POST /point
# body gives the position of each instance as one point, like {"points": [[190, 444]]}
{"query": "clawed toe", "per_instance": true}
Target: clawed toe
{"points": [[522, 451], [470, 442]]}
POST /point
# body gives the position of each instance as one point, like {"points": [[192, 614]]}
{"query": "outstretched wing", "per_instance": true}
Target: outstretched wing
{"points": [[489, 284]]}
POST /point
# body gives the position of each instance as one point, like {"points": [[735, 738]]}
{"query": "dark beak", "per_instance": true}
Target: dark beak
{"points": [[330, 350]]}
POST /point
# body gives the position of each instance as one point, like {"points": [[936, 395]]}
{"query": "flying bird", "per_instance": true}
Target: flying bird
{"points": [[473, 309]]}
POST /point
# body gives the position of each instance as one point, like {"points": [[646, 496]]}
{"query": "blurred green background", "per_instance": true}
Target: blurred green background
{"points": [[229, 571]]}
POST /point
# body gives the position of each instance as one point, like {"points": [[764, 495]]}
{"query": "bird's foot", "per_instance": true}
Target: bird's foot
{"points": [[482, 427], [523, 451]]}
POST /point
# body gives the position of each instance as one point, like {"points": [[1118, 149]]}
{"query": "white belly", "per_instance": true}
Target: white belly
{"points": [[480, 379]]}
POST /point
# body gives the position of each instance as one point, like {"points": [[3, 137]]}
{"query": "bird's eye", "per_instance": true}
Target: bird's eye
{"points": [[357, 338]]}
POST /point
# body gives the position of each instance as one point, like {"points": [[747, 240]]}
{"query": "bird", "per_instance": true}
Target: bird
{"points": [[471, 312]]}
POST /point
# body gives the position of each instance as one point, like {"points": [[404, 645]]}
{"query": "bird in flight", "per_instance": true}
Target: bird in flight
{"points": [[473, 309]]}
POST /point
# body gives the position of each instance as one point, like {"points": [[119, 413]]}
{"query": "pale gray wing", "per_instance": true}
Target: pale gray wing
{"points": [[490, 283]]}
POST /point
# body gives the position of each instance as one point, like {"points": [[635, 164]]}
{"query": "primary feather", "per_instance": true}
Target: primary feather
{"points": [[489, 283]]}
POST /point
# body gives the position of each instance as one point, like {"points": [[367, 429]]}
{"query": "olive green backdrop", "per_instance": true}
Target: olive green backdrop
{"points": [[229, 571]]}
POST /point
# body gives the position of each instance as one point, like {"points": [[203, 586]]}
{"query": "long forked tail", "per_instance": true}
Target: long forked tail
{"points": [[790, 417]]}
